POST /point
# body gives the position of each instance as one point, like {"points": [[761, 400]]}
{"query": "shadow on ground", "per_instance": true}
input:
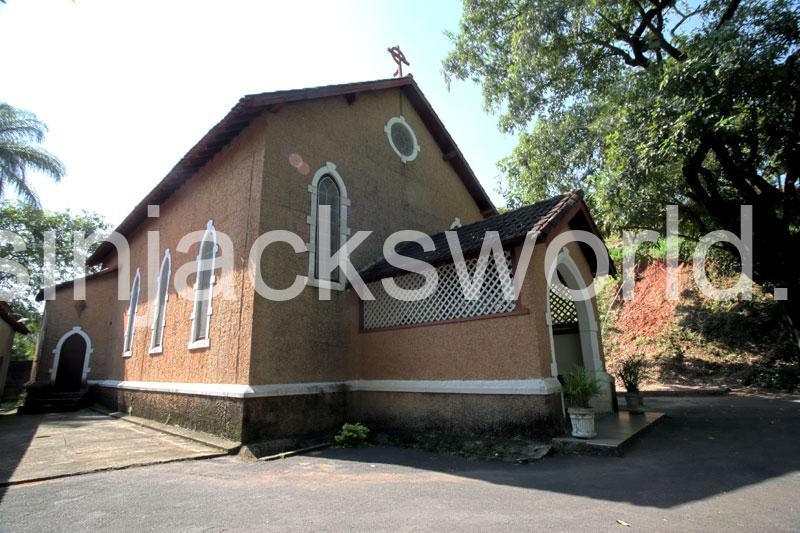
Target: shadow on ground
{"points": [[16, 434], [706, 446]]}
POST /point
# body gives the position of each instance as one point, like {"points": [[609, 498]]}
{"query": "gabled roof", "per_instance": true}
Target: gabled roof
{"points": [[512, 227], [8, 316], [253, 105]]}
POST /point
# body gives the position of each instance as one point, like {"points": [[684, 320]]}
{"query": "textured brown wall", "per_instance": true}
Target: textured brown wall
{"points": [[6, 340], [305, 339], [19, 373], [505, 347], [226, 190], [100, 316]]}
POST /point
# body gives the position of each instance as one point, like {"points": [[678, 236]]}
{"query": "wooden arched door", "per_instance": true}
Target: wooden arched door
{"points": [[71, 359]]}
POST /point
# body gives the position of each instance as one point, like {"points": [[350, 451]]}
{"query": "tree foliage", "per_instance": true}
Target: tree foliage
{"points": [[648, 103], [30, 224], [20, 132]]}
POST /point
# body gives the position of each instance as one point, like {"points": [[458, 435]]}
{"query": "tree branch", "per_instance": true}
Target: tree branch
{"points": [[619, 52], [729, 12], [732, 170], [684, 18]]}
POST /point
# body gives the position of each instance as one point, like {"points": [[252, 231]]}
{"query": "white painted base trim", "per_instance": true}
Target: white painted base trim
{"points": [[533, 386]]}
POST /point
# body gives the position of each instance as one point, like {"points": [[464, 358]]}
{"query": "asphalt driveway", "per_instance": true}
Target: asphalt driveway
{"points": [[36, 447], [715, 464]]}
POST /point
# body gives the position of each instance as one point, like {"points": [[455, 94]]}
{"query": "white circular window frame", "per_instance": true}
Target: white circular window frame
{"points": [[388, 129]]}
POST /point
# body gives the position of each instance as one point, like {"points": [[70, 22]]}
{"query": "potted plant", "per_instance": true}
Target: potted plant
{"points": [[632, 371], [579, 389]]}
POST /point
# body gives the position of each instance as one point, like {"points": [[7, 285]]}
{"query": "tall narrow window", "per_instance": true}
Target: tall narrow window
{"points": [[156, 339], [327, 189], [130, 326], [328, 195], [204, 283]]}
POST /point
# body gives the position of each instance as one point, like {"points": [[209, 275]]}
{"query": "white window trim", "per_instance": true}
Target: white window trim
{"points": [[131, 324], [195, 344], [344, 232], [157, 349], [388, 130]]}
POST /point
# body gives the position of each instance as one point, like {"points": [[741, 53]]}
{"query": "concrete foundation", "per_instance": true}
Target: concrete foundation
{"points": [[211, 414], [271, 418]]}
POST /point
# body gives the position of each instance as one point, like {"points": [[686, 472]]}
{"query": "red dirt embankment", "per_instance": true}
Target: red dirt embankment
{"points": [[644, 320], [699, 342]]}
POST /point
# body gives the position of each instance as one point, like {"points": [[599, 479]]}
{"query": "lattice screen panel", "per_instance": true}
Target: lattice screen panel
{"points": [[562, 308], [446, 303]]}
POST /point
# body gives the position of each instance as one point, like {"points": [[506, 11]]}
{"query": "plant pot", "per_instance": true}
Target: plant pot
{"points": [[582, 420], [635, 402]]}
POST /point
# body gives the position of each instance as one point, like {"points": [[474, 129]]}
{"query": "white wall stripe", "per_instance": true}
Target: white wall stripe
{"points": [[533, 386]]}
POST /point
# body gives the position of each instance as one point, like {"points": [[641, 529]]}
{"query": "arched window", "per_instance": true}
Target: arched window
{"points": [[203, 288], [130, 326], [327, 189], [328, 195], [157, 336]]}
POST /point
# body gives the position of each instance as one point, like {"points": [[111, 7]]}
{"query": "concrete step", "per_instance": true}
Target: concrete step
{"points": [[615, 432], [48, 400]]}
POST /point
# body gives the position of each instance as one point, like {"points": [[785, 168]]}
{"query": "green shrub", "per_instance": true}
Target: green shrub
{"points": [[579, 388], [777, 376], [352, 435], [632, 371]]}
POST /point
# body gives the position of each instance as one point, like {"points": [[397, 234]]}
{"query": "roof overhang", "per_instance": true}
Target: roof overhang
{"points": [[8, 316], [70, 283], [547, 218]]}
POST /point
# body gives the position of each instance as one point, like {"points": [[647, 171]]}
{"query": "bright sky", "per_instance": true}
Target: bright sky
{"points": [[127, 88]]}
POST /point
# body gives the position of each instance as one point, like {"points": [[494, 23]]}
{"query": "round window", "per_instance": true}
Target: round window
{"points": [[402, 139]]}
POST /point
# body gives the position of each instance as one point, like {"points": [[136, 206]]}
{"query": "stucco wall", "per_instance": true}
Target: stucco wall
{"points": [[305, 339], [226, 190], [504, 347], [19, 373], [99, 316], [6, 340]]}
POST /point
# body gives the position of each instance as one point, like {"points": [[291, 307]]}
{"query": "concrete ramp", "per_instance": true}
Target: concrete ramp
{"points": [[40, 447]]}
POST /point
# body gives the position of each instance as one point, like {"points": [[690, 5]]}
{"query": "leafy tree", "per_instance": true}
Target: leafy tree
{"points": [[648, 103], [20, 131], [31, 223]]}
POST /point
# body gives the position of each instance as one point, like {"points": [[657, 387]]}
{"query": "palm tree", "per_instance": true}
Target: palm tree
{"points": [[20, 132]]}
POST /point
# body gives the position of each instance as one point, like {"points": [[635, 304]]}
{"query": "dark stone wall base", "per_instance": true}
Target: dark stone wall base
{"points": [[210, 414], [461, 414], [273, 418], [278, 417]]}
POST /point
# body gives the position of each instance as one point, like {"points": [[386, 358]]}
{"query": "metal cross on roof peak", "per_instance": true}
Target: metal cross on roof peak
{"points": [[399, 58]]}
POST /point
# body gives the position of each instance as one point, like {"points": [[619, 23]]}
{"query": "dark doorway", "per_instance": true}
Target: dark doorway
{"points": [[70, 363]]}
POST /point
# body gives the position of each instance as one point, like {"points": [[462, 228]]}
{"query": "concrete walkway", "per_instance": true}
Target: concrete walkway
{"points": [[38, 447]]}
